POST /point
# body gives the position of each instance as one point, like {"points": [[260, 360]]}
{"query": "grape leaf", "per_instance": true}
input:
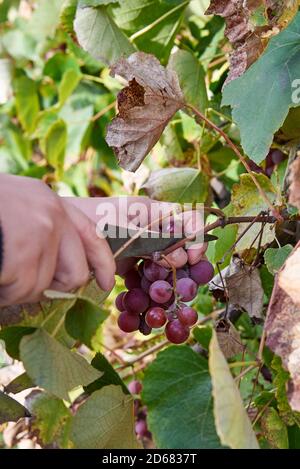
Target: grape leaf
{"points": [[55, 145], [145, 107], [266, 86], [276, 257], [110, 376], [20, 383], [274, 429], [283, 323], [191, 78], [181, 185], [105, 420], [246, 201], [249, 26], [10, 409], [281, 379], [52, 366], [98, 34], [27, 102], [232, 422], [183, 395], [52, 421]]}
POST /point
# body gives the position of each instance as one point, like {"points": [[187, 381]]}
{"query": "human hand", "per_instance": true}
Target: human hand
{"points": [[48, 243]]}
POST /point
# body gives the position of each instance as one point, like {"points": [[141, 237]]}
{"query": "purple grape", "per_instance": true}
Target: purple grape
{"points": [[187, 316], [144, 328], [119, 301], [156, 317], [136, 301], [202, 272], [128, 322], [145, 284], [135, 387], [132, 279], [154, 271], [141, 429], [277, 156], [186, 288], [176, 332], [180, 273], [161, 291]]}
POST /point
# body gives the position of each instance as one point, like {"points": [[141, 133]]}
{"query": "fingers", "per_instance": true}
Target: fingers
{"points": [[97, 250]]}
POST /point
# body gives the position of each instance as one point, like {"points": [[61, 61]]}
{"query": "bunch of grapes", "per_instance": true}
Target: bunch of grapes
{"points": [[157, 297], [141, 429]]}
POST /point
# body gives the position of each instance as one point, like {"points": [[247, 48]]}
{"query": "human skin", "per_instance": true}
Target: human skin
{"points": [[51, 242]]}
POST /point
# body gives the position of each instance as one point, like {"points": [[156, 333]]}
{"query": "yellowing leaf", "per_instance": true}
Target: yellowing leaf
{"points": [[232, 422], [145, 107]]}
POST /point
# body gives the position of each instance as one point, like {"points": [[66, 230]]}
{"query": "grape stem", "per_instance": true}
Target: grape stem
{"points": [[202, 117]]}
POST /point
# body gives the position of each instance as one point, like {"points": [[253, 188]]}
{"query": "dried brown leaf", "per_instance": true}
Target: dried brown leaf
{"points": [[250, 24], [145, 107], [294, 189], [229, 338], [283, 325]]}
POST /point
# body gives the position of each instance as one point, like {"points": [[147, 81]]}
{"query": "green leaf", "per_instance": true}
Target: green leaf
{"points": [[27, 102], [98, 34], [67, 15], [191, 78], [281, 380], [20, 383], [203, 335], [246, 201], [83, 322], [151, 25], [52, 421], [232, 422], [177, 393], [69, 82], [10, 409], [105, 420], [267, 280], [181, 185], [262, 96], [52, 366], [294, 437], [12, 337], [226, 239], [96, 3], [44, 20], [274, 429], [55, 145], [276, 257], [110, 376]]}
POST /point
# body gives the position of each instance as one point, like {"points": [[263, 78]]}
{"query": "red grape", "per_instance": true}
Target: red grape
{"points": [[161, 291], [180, 273], [136, 301], [176, 332], [144, 328], [132, 279], [145, 284], [277, 156], [154, 271], [187, 316], [141, 428], [156, 317], [135, 387], [128, 322], [202, 272], [186, 288], [119, 301]]}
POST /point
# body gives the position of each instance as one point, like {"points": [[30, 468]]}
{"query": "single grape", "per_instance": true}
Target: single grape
{"points": [[136, 301], [160, 291], [176, 332], [128, 322], [177, 258], [135, 387], [145, 284], [180, 273], [132, 279], [153, 271], [156, 317], [143, 327], [141, 429], [277, 156], [202, 272], [119, 301], [186, 288], [187, 316]]}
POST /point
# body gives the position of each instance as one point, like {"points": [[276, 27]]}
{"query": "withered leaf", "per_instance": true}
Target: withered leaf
{"points": [[243, 287], [145, 107], [283, 327], [229, 338], [249, 26], [294, 189]]}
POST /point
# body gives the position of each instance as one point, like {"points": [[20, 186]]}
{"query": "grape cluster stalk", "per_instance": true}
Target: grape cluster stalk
{"points": [[156, 297]]}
